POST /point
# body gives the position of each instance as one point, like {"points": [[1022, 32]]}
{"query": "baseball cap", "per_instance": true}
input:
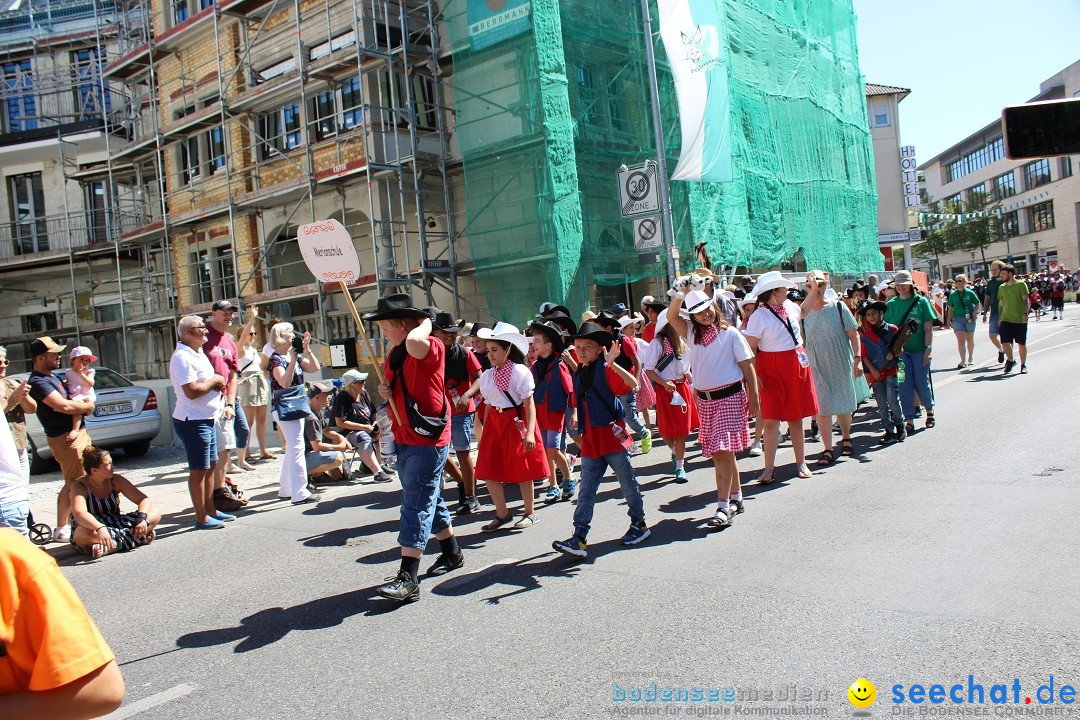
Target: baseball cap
{"points": [[82, 351], [352, 376], [224, 305], [42, 345], [316, 388]]}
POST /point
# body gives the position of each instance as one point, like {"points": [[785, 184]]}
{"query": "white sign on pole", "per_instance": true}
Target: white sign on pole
{"points": [[637, 190], [910, 176], [1043, 261], [647, 235], [1042, 252], [329, 252]]}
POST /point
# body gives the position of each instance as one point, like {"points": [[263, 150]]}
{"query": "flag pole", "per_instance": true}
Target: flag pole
{"points": [[661, 157]]}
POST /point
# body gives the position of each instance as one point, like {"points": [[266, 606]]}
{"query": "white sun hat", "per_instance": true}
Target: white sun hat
{"points": [[696, 301], [506, 333], [770, 281]]}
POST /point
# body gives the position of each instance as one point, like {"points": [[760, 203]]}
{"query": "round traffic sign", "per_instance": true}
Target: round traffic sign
{"points": [[638, 185], [647, 229]]}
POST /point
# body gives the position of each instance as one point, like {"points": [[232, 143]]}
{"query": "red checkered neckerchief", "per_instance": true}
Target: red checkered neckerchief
{"points": [[666, 348], [779, 310], [709, 334], [501, 376]]}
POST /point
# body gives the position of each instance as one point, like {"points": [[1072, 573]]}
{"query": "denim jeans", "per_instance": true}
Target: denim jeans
{"points": [[240, 427], [592, 472], [916, 379], [200, 442], [633, 420], [423, 512], [887, 394], [13, 515]]}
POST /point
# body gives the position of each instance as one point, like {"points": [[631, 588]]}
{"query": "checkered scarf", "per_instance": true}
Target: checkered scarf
{"points": [[502, 375], [666, 348], [708, 334]]}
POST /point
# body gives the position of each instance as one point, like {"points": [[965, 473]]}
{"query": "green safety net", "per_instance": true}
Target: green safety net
{"points": [[550, 101]]}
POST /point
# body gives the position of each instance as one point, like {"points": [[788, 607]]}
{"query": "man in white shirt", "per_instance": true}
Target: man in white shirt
{"points": [[14, 485], [198, 392]]}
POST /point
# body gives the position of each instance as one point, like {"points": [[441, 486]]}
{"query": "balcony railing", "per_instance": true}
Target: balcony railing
{"points": [[39, 104], [55, 232], [33, 19]]}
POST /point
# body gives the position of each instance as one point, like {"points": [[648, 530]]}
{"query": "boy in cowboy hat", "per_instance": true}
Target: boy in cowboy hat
{"points": [[415, 365], [629, 360], [462, 370], [598, 382], [554, 396], [881, 367]]}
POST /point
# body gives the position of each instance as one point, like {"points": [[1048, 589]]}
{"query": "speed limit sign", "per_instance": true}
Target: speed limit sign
{"points": [[637, 190]]}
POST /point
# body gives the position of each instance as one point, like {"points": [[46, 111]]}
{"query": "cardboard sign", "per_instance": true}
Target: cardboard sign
{"points": [[329, 252]]}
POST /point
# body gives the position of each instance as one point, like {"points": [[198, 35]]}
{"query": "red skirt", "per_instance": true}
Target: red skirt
{"points": [[501, 456], [786, 387], [674, 421], [724, 425]]}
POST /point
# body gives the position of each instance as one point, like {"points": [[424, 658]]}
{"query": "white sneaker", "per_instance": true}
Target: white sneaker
{"points": [[62, 534], [755, 449]]}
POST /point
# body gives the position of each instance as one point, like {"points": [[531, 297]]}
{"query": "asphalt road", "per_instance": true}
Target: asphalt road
{"points": [[921, 563]]}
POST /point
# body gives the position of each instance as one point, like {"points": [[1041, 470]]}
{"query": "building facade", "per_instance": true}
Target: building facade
{"points": [[893, 220], [1036, 202]]}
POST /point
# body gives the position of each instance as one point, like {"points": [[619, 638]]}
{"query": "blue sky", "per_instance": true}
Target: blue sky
{"points": [[964, 60]]}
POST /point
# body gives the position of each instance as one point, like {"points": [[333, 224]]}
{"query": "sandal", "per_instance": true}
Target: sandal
{"points": [[930, 422], [909, 427], [766, 476], [847, 448], [720, 519], [497, 523], [267, 456], [805, 471], [526, 521], [826, 459]]}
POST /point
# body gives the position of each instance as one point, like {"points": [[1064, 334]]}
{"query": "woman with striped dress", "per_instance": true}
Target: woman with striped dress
{"points": [[98, 527]]}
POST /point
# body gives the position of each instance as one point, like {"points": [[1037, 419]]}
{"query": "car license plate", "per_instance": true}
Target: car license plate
{"points": [[112, 409]]}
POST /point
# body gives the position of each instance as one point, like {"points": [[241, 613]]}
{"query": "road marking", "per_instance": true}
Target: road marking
{"points": [[152, 701], [987, 363], [1054, 347]]}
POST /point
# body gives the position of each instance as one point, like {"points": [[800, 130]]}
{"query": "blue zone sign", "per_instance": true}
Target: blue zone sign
{"points": [[492, 21]]}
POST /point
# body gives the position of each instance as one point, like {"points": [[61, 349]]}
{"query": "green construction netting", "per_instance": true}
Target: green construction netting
{"points": [[549, 101]]}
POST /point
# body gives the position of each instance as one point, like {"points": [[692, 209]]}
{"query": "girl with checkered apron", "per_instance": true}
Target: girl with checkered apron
{"points": [[725, 390]]}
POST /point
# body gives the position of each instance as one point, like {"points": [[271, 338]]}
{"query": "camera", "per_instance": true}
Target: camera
{"points": [[298, 344]]}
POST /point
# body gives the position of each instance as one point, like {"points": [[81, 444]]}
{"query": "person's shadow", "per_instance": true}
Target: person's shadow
{"points": [[522, 575]]}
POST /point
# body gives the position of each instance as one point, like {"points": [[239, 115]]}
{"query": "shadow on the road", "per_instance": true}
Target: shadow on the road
{"points": [[343, 536], [367, 497], [522, 575], [272, 624]]}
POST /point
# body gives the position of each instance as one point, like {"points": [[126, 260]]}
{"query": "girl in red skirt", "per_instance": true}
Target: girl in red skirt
{"points": [[668, 370], [787, 387], [725, 388], [511, 451]]}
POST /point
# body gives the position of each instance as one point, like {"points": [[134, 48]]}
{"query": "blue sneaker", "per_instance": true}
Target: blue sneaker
{"points": [[553, 495], [211, 523], [224, 516], [636, 533], [680, 476], [574, 546], [568, 489]]}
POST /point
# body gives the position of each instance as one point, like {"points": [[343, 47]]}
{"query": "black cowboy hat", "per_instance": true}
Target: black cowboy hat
{"points": [[394, 307], [870, 305], [445, 321], [655, 304], [547, 308], [592, 331], [561, 319], [607, 319], [477, 327], [555, 334]]}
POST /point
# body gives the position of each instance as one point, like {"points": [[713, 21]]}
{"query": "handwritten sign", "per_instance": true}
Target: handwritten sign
{"points": [[328, 252]]}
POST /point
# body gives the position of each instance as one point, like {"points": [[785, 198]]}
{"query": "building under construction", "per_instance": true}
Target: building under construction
{"points": [[160, 155]]}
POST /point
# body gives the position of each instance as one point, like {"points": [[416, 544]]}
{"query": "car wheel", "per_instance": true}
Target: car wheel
{"points": [[38, 464], [137, 449]]}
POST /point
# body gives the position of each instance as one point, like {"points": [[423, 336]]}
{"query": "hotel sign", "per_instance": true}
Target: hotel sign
{"points": [[909, 176], [492, 21]]}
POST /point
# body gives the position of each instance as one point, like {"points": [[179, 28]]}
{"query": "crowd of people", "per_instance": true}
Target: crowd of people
{"points": [[555, 404]]}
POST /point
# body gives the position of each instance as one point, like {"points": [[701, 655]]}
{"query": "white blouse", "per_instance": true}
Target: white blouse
{"points": [[717, 364], [770, 331], [675, 370], [521, 387]]}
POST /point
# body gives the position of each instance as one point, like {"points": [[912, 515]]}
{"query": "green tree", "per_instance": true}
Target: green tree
{"points": [[942, 236]]}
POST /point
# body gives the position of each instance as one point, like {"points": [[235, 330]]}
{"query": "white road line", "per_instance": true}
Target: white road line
{"points": [[1053, 347], [152, 701], [987, 363]]}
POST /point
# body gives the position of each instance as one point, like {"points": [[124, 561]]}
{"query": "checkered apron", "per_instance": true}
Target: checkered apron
{"points": [[724, 425]]}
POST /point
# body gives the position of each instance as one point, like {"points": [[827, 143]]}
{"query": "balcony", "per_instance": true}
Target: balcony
{"points": [[36, 20], [47, 105], [34, 240]]}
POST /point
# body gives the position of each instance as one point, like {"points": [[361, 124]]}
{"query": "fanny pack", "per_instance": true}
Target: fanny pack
{"points": [[423, 425]]}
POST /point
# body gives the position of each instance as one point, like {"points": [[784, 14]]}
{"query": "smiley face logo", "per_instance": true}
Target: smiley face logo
{"points": [[862, 693]]}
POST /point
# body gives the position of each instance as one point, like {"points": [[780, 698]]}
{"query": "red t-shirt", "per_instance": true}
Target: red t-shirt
{"points": [[648, 332], [221, 349], [425, 381], [600, 441], [872, 337], [554, 420], [473, 368]]}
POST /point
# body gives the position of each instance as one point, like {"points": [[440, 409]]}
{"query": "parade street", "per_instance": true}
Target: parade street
{"points": [[914, 564]]}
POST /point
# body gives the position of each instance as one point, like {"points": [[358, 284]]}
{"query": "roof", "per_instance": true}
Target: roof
{"points": [[872, 90]]}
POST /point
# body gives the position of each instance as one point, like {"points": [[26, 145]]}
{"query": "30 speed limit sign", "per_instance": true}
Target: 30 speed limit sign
{"points": [[637, 190]]}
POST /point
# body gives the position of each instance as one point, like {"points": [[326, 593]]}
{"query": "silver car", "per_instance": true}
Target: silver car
{"points": [[125, 416]]}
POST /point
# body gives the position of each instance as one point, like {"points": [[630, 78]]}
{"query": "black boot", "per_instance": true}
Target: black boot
{"points": [[460, 496]]}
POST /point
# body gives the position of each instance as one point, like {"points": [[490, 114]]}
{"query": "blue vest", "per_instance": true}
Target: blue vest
{"points": [[599, 415], [876, 351], [550, 388]]}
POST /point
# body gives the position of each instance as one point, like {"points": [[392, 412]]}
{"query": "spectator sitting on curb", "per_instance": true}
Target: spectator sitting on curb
{"points": [[325, 447]]}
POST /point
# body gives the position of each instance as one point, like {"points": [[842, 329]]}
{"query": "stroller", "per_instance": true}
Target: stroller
{"points": [[40, 533]]}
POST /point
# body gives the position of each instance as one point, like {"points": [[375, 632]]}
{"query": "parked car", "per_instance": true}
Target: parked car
{"points": [[125, 416]]}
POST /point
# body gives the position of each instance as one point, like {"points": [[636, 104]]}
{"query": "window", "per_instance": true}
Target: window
{"points": [[976, 196], [968, 163], [1036, 173], [89, 103], [28, 213], [39, 323], [215, 143], [202, 290], [1004, 186], [879, 112], [20, 111], [280, 130], [184, 9], [1010, 224], [188, 154], [212, 273], [953, 203], [334, 109], [95, 211], [1041, 216], [224, 268], [1064, 167]]}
